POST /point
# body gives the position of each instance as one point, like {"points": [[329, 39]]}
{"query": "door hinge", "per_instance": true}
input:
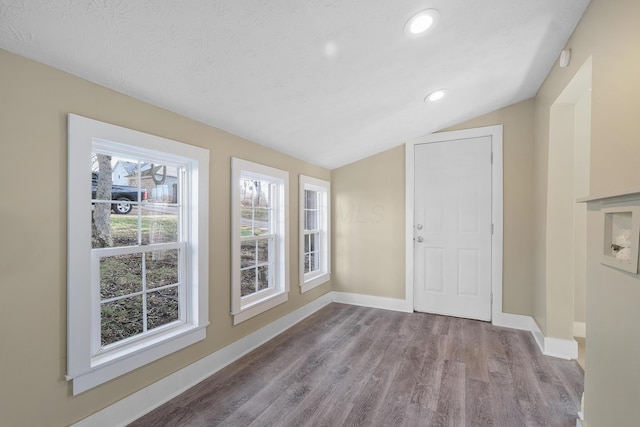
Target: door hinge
{"points": [[491, 228], [492, 157]]}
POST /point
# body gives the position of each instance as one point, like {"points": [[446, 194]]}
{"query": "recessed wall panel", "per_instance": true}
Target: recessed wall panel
{"points": [[468, 274], [434, 270]]}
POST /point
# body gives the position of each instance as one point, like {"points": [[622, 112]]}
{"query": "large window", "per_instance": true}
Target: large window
{"points": [[259, 242], [315, 254], [137, 258]]}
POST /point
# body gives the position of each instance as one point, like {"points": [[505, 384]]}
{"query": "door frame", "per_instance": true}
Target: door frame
{"points": [[495, 133]]}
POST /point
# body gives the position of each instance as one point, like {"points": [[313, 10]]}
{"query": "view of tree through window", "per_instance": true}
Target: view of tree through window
{"points": [[136, 235]]}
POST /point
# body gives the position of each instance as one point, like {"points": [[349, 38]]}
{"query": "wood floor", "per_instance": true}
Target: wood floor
{"points": [[356, 366]]}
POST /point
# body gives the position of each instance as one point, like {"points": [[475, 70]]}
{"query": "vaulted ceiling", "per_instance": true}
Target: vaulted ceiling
{"points": [[325, 81]]}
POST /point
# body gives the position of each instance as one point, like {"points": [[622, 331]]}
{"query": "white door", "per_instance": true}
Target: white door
{"points": [[452, 228]]}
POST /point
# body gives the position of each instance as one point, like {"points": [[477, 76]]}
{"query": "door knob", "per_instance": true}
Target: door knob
{"points": [[419, 239]]}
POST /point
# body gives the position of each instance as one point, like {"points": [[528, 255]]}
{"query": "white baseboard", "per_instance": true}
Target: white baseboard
{"points": [[561, 348], [373, 302], [579, 329], [136, 405], [555, 347], [513, 321]]}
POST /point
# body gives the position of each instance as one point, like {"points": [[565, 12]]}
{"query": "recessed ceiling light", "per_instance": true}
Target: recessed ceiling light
{"points": [[330, 49], [436, 95], [421, 22]]}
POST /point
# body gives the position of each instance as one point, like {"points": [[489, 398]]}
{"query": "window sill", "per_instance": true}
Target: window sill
{"points": [[259, 307], [315, 282], [126, 361]]}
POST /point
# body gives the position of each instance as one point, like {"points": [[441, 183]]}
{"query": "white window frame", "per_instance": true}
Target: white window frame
{"points": [[86, 367], [313, 279], [243, 308]]}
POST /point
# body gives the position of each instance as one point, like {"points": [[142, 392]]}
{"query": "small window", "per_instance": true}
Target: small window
{"points": [[315, 244], [259, 243], [137, 236]]}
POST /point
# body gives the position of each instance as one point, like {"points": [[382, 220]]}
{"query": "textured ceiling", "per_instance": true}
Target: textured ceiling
{"points": [[329, 82]]}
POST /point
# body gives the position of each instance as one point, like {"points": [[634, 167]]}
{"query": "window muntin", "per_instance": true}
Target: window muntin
{"points": [[160, 237], [258, 235], [140, 268], [314, 232], [259, 246]]}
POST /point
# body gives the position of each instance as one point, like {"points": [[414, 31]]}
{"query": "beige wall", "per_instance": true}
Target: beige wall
{"points": [[581, 189], [35, 101], [609, 33], [559, 227], [368, 225], [369, 212]]}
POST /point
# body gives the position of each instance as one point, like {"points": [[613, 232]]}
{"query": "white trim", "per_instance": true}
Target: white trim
{"points": [[260, 307], [136, 405], [513, 321], [83, 368], [537, 335], [324, 274], [314, 283], [554, 347], [373, 301], [580, 329], [562, 348], [495, 132], [247, 307]]}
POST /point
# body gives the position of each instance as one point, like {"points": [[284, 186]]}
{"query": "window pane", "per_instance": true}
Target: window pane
{"points": [[120, 319], [310, 219], [110, 180], [307, 263], [248, 253], [160, 182], [159, 224], [101, 178], [120, 275], [262, 221], [247, 282], [246, 221], [313, 261], [312, 242], [161, 268], [310, 199], [255, 193], [124, 230], [162, 307], [261, 194], [264, 277], [246, 192], [264, 248], [246, 214]]}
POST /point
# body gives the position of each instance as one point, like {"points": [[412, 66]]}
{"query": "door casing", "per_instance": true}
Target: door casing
{"points": [[495, 132]]}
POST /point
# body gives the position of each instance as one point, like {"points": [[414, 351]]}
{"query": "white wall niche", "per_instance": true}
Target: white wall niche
{"points": [[621, 237]]}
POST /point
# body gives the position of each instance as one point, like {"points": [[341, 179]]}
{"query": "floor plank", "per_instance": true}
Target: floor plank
{"points": [[359, 366]]}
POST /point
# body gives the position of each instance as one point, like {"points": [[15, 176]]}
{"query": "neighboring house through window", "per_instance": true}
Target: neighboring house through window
{"points": [[315, 253], [259, 238], [137, 249]]}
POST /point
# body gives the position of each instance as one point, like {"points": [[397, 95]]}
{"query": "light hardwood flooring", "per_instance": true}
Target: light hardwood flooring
{"points": [[357, 366]]}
